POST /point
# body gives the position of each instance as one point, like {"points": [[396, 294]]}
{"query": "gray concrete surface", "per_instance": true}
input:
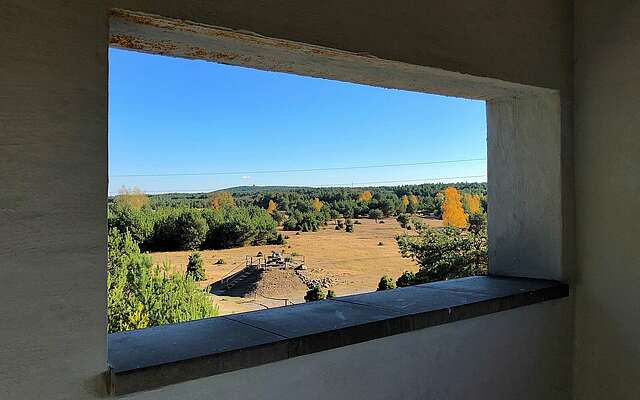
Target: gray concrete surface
{"points": [[53, 170], [518, 354], [607, 148]]}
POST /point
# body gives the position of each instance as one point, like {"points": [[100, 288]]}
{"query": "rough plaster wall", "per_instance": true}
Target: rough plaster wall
{"points": [[53, 143], [518, 354], [525, 213], [53, 165], [607, 138]]}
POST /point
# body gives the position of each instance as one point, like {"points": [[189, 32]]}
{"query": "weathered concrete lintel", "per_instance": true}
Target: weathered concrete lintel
{"points": [[158, 35]]}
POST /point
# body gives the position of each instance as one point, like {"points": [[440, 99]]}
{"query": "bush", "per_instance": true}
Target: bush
{"points": [[376, 214], [180, 229], [348, 226], [406, 279], [125, 218], [477, 222], [446, 253], [314, 294], [140, 296], [403, 219], [331, 294], [238, 226], [279, 240], [386, 283], [195, 268], [220, 261], [380, 244]]}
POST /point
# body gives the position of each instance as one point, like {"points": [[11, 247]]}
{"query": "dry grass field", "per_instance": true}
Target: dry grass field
{"points": [[353, 262]]}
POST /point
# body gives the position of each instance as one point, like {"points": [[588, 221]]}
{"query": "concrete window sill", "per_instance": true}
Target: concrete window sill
{"points": [[150, 358]]}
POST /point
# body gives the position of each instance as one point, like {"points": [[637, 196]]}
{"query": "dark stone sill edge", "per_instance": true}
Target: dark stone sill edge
{"points": [[252, 356]]}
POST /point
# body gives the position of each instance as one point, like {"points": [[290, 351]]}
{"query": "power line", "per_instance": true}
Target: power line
{"points": [[282, 171], [349, 184]]}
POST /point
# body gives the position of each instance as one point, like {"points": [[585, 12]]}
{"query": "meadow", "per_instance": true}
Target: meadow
{"points": [[354, 262]]}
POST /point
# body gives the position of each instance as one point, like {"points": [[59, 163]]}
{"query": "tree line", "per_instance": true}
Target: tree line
{"points": [[250, 216]]}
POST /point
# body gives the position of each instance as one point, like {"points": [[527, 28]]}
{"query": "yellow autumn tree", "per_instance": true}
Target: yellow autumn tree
{"points": [[133, 198], [365, 196], [414, 199], [316, 204], [452, 212], [405, 200], [471, 203], [221, 199], [272, 206]]}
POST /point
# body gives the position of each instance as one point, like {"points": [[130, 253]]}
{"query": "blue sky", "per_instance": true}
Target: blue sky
{"points": [[170, 116]]}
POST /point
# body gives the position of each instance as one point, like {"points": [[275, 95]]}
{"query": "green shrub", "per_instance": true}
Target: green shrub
{"points": [[291, 224], [331, 294], [279, 240], [138, 222], [446, 253], [179, 229], [403, 219], [348, 226], [376, 214], [220, 261], [406, 279], [477, 222], [386, 283], [238, 226], [195, 267], [140, 295], [314, 294]]}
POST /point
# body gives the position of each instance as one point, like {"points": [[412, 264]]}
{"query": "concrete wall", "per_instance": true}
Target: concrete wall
{"points": [[519, 354], [607, 155], [53, 169], [524, 180]]}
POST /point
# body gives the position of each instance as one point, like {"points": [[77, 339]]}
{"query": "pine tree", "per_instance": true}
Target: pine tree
{"points": [[195, 269]]}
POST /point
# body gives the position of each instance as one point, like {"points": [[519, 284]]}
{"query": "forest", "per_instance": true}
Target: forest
{"points": [[250, 215]]}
